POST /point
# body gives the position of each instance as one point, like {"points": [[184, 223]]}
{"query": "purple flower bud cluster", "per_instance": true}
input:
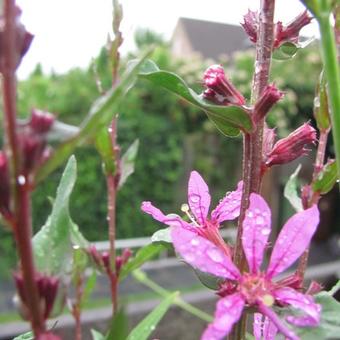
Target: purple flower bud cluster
{"points": [[282, 34], [47, 289], [102, 260], [219, 88], [22, 40], [291, 147], [33, 140]]}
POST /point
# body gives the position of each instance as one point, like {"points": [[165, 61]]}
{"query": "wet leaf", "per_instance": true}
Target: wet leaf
{"points": [[143, 330], [128, 162], [285, 51], [291, 191], [326, 179], [162, 235], [143, 254], [228, 119]]}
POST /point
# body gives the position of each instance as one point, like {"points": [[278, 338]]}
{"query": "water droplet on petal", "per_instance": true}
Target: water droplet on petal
{"points": [[259, 220], [195, 242], [215, 255], [250, 214], [194, 198], [265, 231], [22, 180]]}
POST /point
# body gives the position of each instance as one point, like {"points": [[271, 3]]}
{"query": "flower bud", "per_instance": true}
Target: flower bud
{"points": [[267, 100], [223, 90], [250, 25], [47, 289], [268, 140], [48, 336], [293, 146], [23, 41], [314, 288], [4, 185], [292, 30], [122, 259], [41, 121]]}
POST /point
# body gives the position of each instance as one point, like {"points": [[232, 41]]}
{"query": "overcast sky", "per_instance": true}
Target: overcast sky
{"points": [[69, 33]]}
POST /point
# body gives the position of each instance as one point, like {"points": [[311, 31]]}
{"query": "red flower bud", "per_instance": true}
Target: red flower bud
{"points": [[292, 30], [48, 336], [293, 146], [23, 41], [47, 289], [268, 140], [267, 100], [224, 91], [41, 121], [250, 25], [314, 288], [4, 185]]}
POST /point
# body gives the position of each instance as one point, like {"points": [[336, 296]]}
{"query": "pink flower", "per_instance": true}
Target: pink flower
{"points": [[201, 229], [220, 90], [255, 288]]}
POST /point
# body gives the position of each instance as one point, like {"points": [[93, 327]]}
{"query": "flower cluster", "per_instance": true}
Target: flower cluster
{"points": [[197, 244], [289, 33]]}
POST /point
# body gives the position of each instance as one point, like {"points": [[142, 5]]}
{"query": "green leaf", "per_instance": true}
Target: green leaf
{"points": [[285, 51], [144, 254], [143, 330], [104, 146], [97, 335], [128, 162], [162, 235], [52, 245], [334, 289], [326, 179], [98, 118], [228, 119], [329, 327], [321, 108], [89, 287], [291, 192], [119, 326], [25, 336]]}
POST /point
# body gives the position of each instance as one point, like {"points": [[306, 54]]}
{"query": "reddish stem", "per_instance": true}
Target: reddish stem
{"points": [[319, 162], [112, 181], [76, 307], [22, 225], [252, 161]]}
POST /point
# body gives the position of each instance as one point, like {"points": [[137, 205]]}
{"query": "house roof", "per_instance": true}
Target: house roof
{"points": [[213, 39]]}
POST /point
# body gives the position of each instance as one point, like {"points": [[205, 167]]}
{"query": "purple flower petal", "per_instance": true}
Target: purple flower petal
{"points": [[293, 239], [203, 254], [171, 219], [229, 208], [228, 311], [277, 322], [198, 197], [300, 301], [256, 229], [264, 328]]}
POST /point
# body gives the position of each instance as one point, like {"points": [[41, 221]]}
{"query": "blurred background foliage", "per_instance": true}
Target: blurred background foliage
{"points": [[174, 137]]}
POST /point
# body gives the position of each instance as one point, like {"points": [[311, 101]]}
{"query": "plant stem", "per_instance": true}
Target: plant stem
{"points": [[253, 143], [76, 307], [22, 226], [112, 184], [144, 279], [332, 71]]}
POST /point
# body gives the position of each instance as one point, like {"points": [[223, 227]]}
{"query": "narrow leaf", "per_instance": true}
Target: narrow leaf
{"points": [[119, 327], [104, 146], [143, 330], [210, 281], [326, 179], [25, 336], [99, 116], [228, 119], [89, 287], [52, 244], [291, 192], [144, 254], [128, 162], [321, 108]]}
